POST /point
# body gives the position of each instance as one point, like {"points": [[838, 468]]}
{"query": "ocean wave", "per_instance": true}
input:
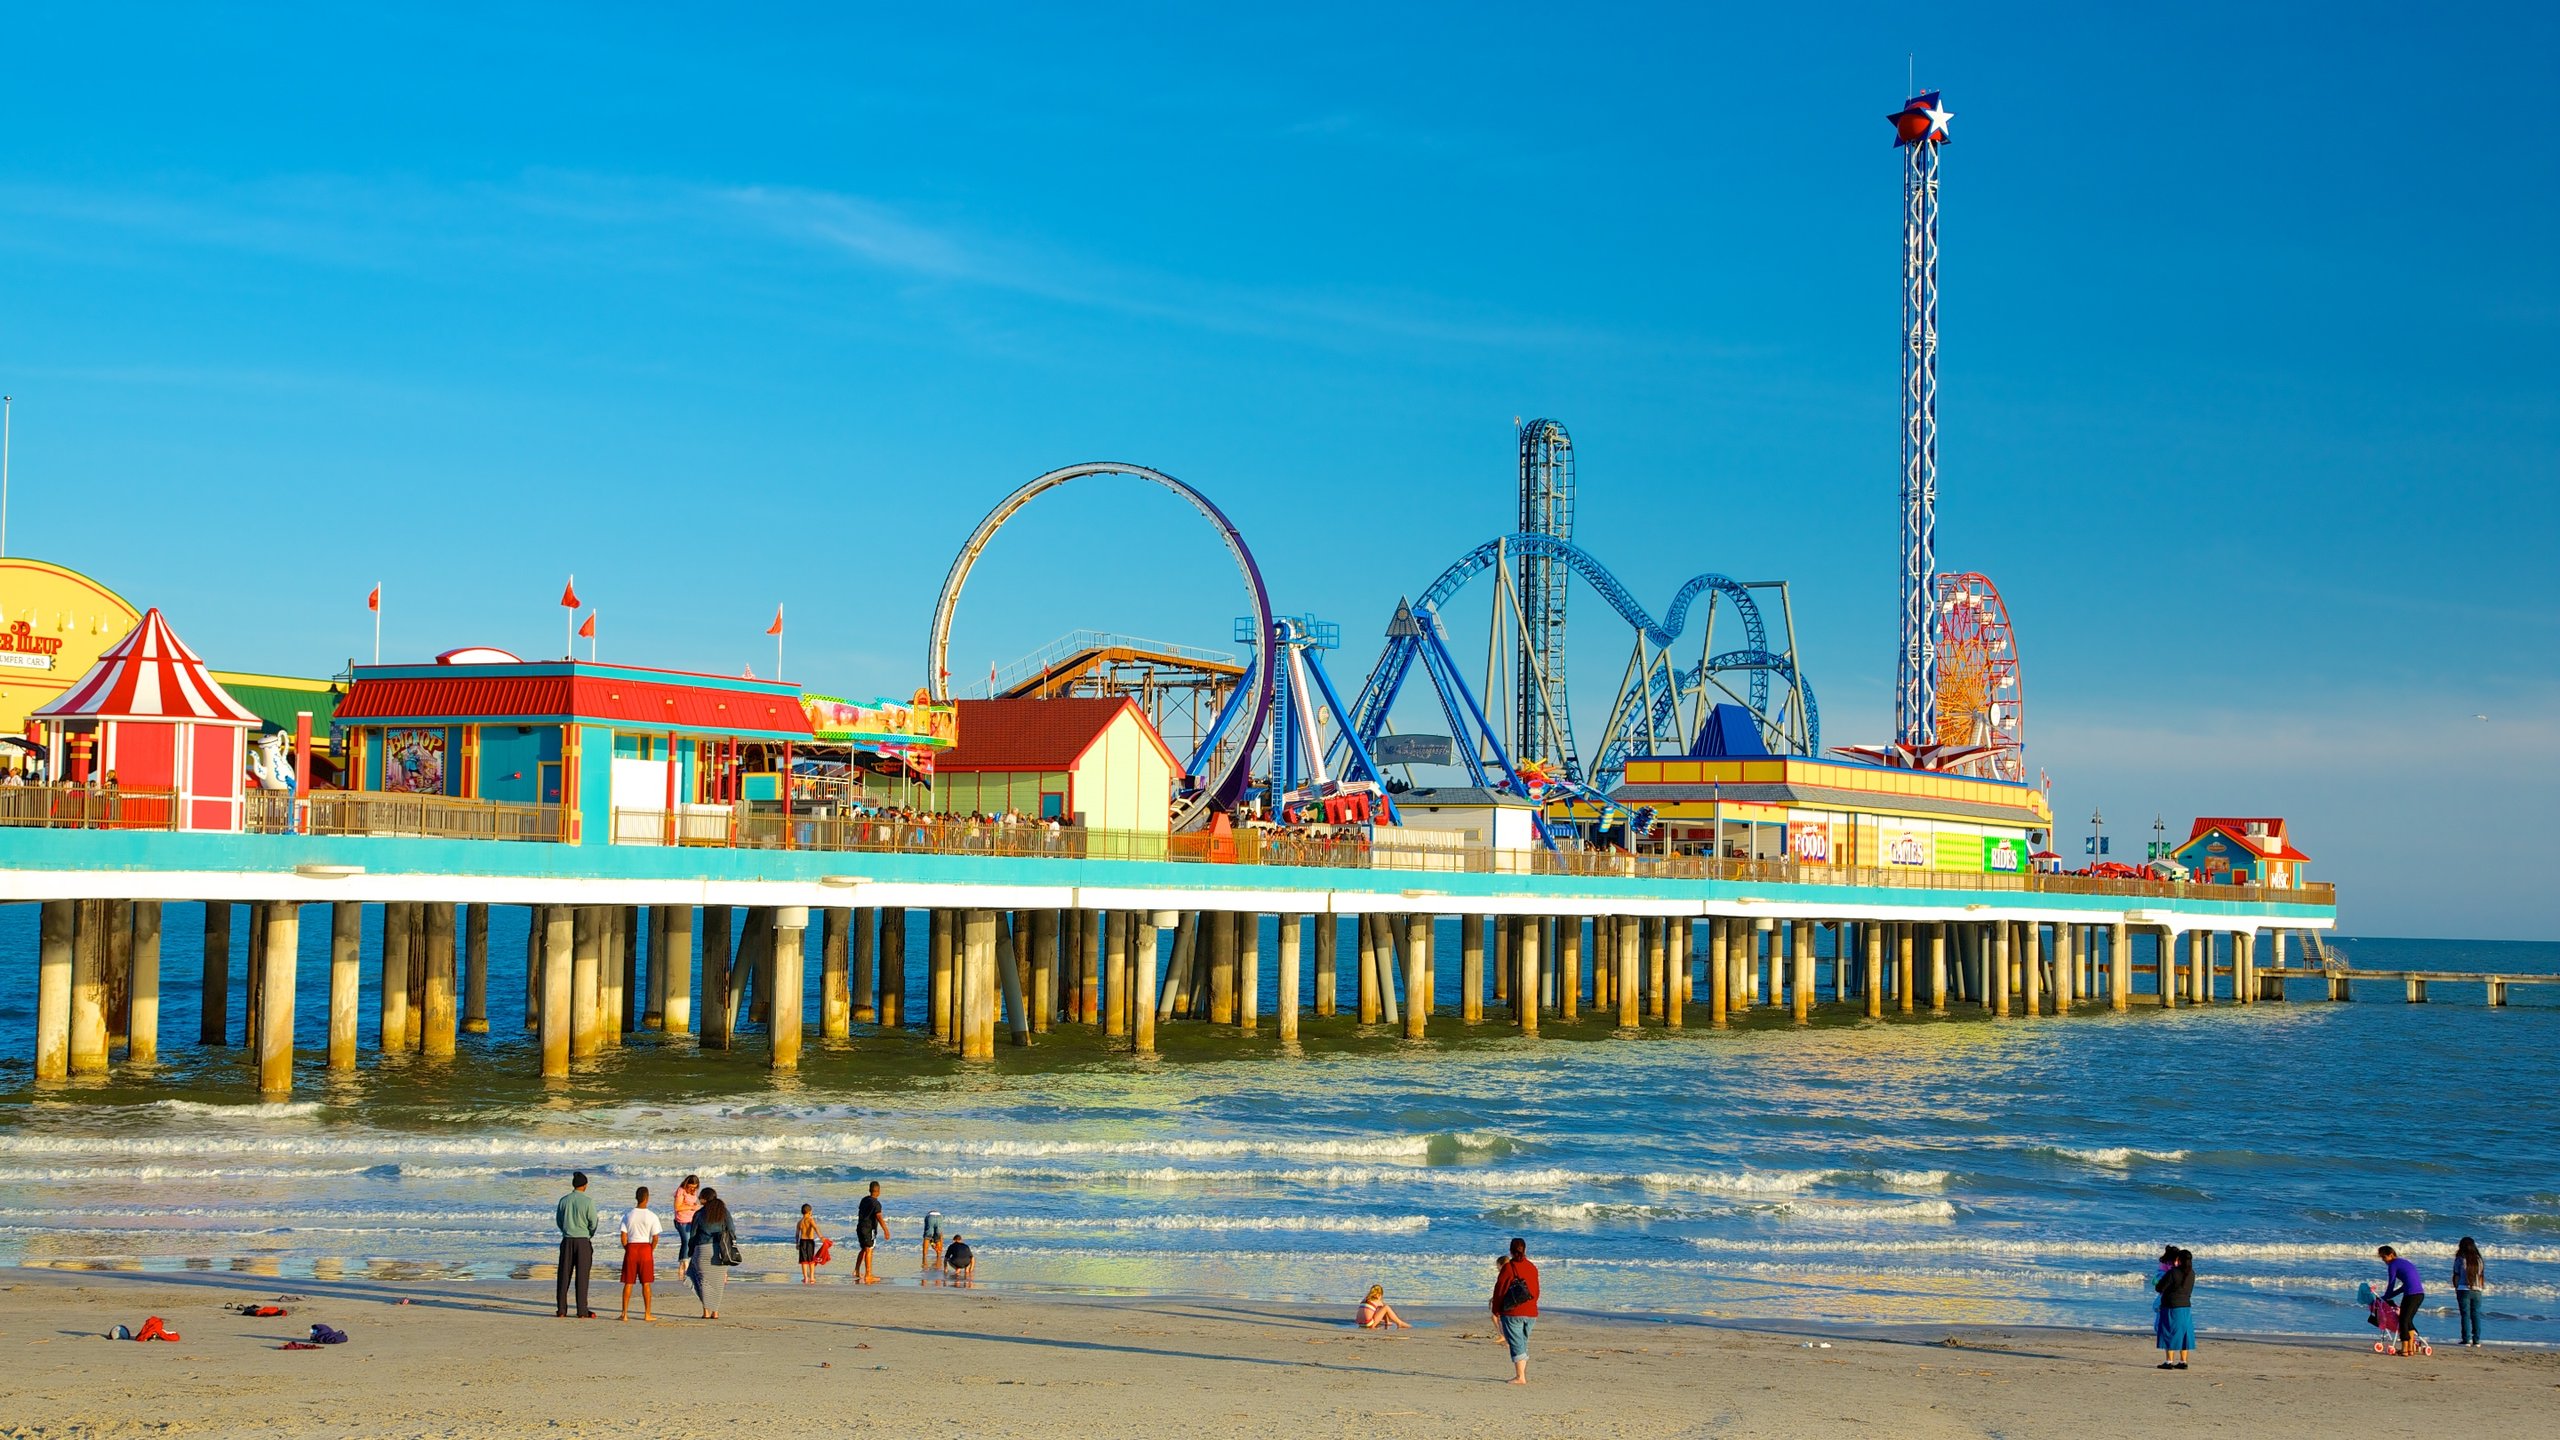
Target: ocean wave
{"points": [[2067, 1248], [75, 1174], [1850, 1212], [1339, 1224], [247, 1110], [566, 1149], [2113, 1157]]}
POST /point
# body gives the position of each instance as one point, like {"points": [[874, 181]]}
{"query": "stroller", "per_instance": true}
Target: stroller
{"points": [[2385, 1317]]}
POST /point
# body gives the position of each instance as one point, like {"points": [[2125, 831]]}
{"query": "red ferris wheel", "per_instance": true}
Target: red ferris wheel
{"points": [[1982, 699]]}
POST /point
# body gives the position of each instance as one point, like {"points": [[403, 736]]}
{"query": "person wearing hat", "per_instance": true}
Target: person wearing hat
{"points": [[576, 1217]]}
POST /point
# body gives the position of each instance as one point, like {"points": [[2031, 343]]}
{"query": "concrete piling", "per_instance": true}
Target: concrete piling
{"points": [[57, 926], [475, 969], [862, 997], [1531, 960], [1470, 968], [346, 981], [1291, 931], [1248, 970], [88, 989], [785, 1027], [392, 1006], [835, 973], [1417, 983], [559, 946], [142, 993], [1142, 1008], [213, 1021], [275, 998], [1328, 964], [718, 1022], [437, 1023], [675, 999]]}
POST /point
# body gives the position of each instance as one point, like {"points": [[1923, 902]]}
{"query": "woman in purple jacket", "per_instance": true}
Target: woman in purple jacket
{"points": [[2408, 1289]]}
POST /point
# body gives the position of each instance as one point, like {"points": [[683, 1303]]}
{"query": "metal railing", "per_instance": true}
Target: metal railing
{"points": [[83, 807], [934, 835]]}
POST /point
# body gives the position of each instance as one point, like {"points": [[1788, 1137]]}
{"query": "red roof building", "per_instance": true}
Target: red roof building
{"points": [[1094, 761], [2242, 851], [152, 718]]}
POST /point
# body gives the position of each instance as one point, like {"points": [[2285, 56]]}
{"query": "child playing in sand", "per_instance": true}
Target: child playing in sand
{"points": [[1377, 1314]]}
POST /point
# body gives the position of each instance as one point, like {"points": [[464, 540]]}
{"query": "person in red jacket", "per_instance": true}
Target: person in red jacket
{"points": [[1515, 1305]]}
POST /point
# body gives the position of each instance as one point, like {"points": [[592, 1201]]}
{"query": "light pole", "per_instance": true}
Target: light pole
{"points": [[2097, 834], [2159, 836]]}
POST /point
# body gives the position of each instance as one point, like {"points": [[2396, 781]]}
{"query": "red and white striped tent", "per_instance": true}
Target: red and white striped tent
{"points": [[160, 723]]}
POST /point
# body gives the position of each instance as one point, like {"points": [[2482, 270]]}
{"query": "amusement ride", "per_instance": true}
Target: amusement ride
{"points": [[1267, 734]]}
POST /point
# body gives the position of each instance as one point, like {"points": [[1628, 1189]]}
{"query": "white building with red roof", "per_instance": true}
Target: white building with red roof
{"points": [[149, 718]]}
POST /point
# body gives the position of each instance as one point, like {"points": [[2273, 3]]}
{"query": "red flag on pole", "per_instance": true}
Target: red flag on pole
{"points": [[776, 627], [373, 602], [569, 594], [587, 631]]}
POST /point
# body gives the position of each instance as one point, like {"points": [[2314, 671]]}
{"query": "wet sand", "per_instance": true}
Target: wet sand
{"points": [[471, 1359]]}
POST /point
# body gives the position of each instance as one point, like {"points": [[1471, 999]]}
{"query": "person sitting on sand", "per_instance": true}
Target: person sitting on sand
{"points": [[1377, 1314], [959, 1262], [810, 1238]]}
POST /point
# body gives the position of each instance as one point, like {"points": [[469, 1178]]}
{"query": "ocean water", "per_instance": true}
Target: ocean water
{"points": [[1952, 1170]]}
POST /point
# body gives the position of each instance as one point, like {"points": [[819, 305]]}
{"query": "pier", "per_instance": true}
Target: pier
{"points": [[981, 939]]}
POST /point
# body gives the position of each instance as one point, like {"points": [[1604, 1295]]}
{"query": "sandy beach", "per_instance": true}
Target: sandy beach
{"points": [[489, 1359]]}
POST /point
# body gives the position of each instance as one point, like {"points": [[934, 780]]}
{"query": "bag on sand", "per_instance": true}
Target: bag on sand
{"points": [[328, 1335]]}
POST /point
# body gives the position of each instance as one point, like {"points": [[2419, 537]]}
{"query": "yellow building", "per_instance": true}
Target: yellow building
{"points": [[1831, 812], [55, 622], [1093, 762]]}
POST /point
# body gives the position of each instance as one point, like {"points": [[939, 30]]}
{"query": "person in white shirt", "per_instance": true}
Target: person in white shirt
{"points": [[640, 1231]]}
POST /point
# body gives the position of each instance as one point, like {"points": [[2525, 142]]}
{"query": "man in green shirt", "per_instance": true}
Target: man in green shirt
{"points": [[576, 1216]]}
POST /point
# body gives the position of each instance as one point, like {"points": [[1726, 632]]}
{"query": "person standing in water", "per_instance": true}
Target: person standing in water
{"points": [[640, 1231], [576, 1217], [869, 1227], [2470, 1277], [2406, 1288], [1515, 1305], [687, 1201]]}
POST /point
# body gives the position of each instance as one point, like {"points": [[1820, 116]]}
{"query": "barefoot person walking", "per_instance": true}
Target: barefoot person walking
{"points": [[576, 1217], [1515, 1305], [640, 1230]]}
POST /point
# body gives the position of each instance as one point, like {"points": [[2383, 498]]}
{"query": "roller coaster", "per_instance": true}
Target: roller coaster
{"points": [[1523, 741]]}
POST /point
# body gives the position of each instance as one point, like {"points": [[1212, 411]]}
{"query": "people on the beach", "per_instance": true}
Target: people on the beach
{"points": [[929, 1251], [1377, 1314], [1515, 1304], [686, 1202], [2470, 1277], [715, 1249], [576, 1217], [2405, 1287], [810, 1239], [640, 1230], [2173, 1324], [959, 1262], [869, 1227]]}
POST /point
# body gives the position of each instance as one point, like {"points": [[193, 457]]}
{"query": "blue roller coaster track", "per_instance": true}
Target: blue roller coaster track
{"points": [[1761, 664]]}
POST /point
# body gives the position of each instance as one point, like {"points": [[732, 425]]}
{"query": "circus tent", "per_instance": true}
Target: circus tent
{"points": [[150, 718]]}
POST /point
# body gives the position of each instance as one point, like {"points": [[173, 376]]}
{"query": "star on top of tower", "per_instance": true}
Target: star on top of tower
{"points": [[1922, 120]]}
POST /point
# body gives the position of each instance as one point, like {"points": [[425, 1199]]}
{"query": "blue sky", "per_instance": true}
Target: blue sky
{"points": [[2249, 350]]}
